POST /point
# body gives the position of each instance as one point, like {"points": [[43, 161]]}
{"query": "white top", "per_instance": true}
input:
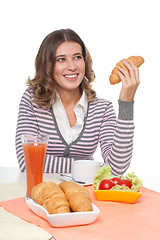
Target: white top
{"points": [[70, 133]]}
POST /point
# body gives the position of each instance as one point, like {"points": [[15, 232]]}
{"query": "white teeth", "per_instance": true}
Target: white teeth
{"points": [[71, 76]]}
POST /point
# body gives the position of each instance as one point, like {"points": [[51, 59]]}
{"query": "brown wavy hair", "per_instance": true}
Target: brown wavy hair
{"points": [[43, 84]]}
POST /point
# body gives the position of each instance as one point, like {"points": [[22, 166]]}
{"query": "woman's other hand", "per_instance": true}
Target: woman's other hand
{"points": [[130, 81]]}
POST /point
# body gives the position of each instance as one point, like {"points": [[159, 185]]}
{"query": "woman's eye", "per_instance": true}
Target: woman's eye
{"points": [[60, 59], [78, 57]]}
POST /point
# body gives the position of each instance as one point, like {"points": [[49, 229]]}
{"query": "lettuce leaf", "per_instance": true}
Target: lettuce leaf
{"points": [[103, 173], [136, 182], [120, 188]]}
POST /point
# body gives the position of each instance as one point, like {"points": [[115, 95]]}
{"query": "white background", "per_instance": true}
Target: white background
{"points": [[112, 30]]}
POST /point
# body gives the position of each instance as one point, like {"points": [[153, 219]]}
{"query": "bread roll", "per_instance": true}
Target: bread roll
{"points": [[78, 196], [114, 78], [51, 197]]}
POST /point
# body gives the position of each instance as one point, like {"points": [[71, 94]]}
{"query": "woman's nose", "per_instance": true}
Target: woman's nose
{"points": [[71, 65]]}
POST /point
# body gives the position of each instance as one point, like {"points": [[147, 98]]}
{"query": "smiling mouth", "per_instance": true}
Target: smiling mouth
{"points": [[71, 76]]}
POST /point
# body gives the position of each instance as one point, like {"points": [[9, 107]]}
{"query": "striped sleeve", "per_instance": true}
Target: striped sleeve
{"points": [[116, 137], [26, 123]]}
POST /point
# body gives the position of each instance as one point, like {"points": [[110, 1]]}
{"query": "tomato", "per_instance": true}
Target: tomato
{"points": [[106, 184], [125, 183], [115, 180]]}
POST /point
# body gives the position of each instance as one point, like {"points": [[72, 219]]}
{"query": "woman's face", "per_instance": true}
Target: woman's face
{"points": [[69, 67]]}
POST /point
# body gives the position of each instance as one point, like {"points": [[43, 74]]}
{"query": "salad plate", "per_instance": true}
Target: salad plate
{"points": [[63, 219], [117, 196], [126, 192]]}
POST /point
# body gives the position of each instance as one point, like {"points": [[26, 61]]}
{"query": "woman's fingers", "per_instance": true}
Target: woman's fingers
{"points": [[136, 71], [132, 74], [133, 71], [130, 81], [122, 74]]}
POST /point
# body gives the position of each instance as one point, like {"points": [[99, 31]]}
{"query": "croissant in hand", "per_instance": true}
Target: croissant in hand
{"points": [[78, 196], [114, 78], [51, 197]]}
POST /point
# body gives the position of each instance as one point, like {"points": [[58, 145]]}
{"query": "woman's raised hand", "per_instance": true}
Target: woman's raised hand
{"points": [[130, 81]]}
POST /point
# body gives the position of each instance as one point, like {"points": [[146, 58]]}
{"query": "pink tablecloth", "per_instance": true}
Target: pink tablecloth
{"points": [[117, 221]]}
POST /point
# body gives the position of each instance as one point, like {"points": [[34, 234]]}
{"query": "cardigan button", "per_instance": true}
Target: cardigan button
{"points": [[66, 151]]}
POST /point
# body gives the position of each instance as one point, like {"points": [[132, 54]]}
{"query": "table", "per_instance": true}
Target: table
{"points": [[11, 176]]}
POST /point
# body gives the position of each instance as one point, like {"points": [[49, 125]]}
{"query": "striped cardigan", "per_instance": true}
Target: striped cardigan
{"points": [[100, 126]]}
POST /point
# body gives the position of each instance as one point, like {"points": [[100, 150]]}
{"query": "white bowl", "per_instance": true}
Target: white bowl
{"points": [[64, 219]]}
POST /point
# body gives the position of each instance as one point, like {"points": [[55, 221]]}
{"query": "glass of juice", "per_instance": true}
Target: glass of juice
{"points": [[34, 147]]}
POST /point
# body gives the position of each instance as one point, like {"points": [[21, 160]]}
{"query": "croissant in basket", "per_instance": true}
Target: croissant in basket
{"points": [[78, 196], [137, 60], [51, 197]]}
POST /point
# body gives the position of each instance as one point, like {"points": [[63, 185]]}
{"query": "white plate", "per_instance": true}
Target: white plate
{"points": [[64, 219], [67, 177]]}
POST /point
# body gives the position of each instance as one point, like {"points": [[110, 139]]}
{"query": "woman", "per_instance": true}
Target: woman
{"points": [[61, 102]]}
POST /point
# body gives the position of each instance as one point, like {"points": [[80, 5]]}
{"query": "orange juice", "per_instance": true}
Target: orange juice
{"points": [[34, 159]]}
